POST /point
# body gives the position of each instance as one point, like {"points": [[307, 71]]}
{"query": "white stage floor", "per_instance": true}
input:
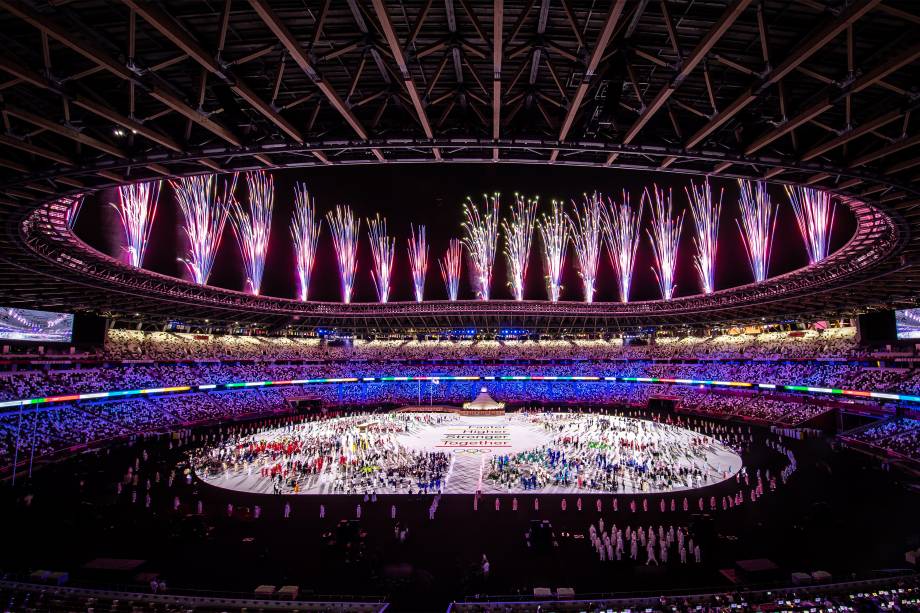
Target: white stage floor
{"points": [[472, 442]]}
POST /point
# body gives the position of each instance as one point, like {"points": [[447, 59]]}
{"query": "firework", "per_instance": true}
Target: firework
{"points": [[73, 205], [136, 208], [204, 213], [518, 236], [706, 221], [252, 227], [345, 229], [757, 224], [305, 229], [587, 229], [418, 260], [450, 268], [814, 214], [621, 233], [554, 232], [665, 238], [383, 248], [481, 239]]}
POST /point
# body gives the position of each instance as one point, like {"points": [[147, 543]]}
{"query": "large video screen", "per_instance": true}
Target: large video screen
{"points": [[908, 323], [35, 326]]}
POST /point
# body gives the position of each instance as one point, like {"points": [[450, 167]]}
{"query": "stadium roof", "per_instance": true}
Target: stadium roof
{"points": [[817, 92]]}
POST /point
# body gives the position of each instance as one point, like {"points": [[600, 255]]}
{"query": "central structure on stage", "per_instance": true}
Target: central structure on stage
{"points": [[483, 404]]}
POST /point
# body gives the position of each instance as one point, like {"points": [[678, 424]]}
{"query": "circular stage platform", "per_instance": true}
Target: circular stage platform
{"points": [[524, 453]]}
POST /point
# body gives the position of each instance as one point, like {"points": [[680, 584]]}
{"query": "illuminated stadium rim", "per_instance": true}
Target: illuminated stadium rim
{"points": [[47, 234], [208, 387]]}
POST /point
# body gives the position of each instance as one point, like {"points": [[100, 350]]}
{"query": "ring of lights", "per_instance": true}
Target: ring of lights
{"points": [[47, 235], [36, 238]]}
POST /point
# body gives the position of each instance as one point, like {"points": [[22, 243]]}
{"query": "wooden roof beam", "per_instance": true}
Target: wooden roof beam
{"points": [[408, 82], [166, 25], [833, 26], [597, 53], [725, 21]]}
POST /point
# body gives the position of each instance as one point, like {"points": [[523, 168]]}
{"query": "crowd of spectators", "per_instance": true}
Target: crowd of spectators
{"points": [[800, 344], [900, 435], [151, 360], [60, 427], [22, 384]]}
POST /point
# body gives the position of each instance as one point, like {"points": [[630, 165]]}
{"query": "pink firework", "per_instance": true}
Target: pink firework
{"points": [[481, 240], [586, 225], [814, 214], [706, 212], [252, 226], [136, 208], [665, 238], [554, 231], [72, 205], [518, 237], [305, 229], [451, 264], [757, 225], [418, 260], [345, 228], [204, 213], [622, 229], [383, 249]]}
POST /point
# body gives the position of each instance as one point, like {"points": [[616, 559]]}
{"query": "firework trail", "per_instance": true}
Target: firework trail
{"points": [[450, 265], [204, 213], [554, 232], [587, 229], [136, 208], [665, 238], [757, 225], [305, 229], [418, 260], [73, 204], [518, 237], [706, 220], [252, 227], [621, 233], [481, 240], [345, 229], [814, 214], [383, 248]]}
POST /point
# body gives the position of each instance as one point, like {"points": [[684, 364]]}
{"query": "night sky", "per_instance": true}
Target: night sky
{"points": [[433, 195]]}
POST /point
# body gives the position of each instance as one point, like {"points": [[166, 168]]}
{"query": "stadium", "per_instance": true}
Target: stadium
{"points": [[459, 305]]}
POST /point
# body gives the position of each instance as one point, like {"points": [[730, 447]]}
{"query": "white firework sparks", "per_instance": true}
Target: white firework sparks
{"points": [[622, 229], [383, 249], [706, 212], [345, 228], [665, 238], [586, 226], [518, 238], [481, 239], [305, 229], [554, 230]]}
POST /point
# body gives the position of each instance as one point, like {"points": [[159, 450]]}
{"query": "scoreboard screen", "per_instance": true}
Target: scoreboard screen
{"points": [[35, 326]]}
